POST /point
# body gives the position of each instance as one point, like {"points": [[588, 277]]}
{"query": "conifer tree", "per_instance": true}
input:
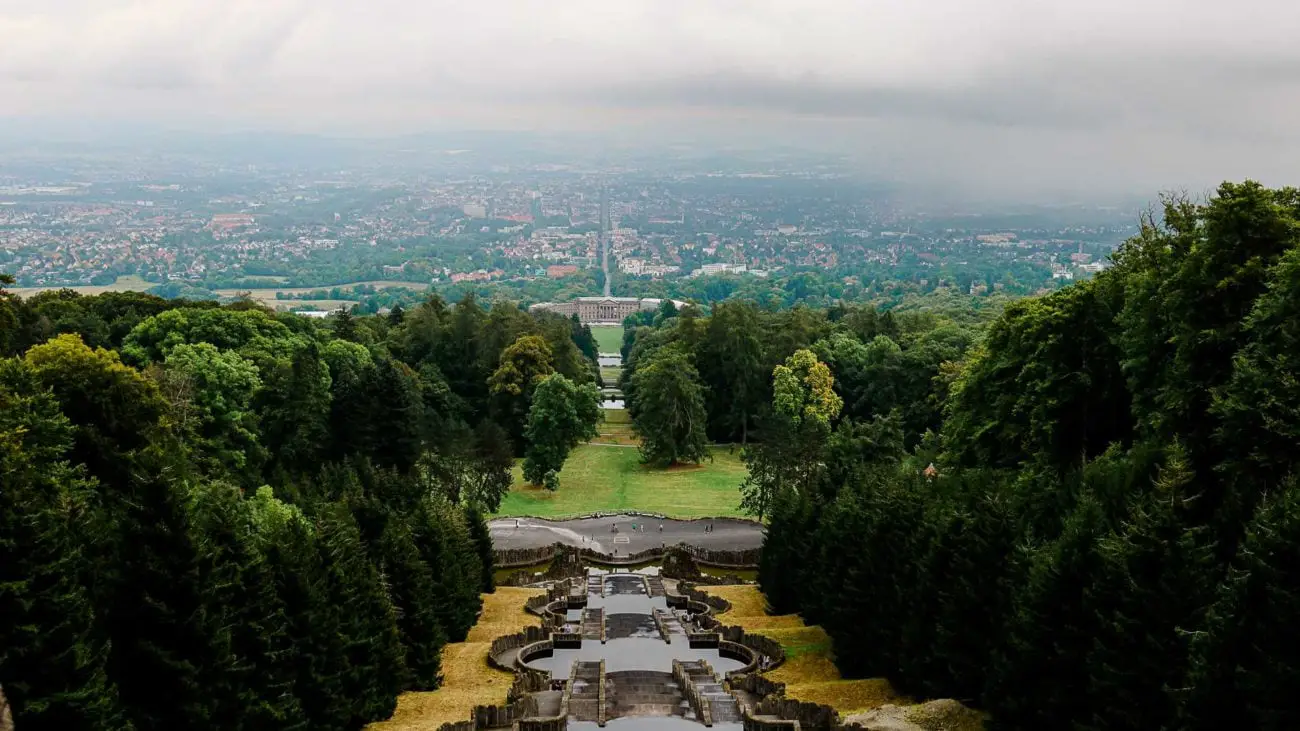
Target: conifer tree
{"points": [[411, 586], [319, 659], [52, 656], [167, 648], [1245, 665], [241, 591], [482, 539], [1156, 578], [1036, 676], [375, 670], [443, 541]]}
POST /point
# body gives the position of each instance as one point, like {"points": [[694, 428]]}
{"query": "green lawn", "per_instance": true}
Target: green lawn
{"points": [[609, 338], [610, 376], [612, 478]]}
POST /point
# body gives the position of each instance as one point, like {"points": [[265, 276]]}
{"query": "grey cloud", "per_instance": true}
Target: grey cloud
{"points": [[1181, 91]]}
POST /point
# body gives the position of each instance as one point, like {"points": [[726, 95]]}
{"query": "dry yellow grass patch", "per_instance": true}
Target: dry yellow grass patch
{"points": [[467, 679], [746, 601], [809, 671], [503, 613]]}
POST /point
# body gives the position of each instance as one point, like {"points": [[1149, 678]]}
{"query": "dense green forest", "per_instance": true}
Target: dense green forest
{"points": [[223, 518], [1093, 520], [691, 379]]}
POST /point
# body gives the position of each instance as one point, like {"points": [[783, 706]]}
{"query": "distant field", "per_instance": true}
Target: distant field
{"points": [[609, 338], [267, 294], [616, 429], [304, 304], [600, 478], [262, 294], [130, 283]]}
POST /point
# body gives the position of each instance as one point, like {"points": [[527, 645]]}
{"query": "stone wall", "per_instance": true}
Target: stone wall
{"points": [[766, 647], [756, 685], [510, 642], [543, 724], [772, 702], [537, 604], [509, 558], [485, 717], [566, 555], [716, 603], [811, 716], [751, 723], [737, 651], [566, 640]]}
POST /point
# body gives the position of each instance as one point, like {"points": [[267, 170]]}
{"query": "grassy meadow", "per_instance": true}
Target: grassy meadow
{"points": [[603, 478], [609, 338], [130, 283]]}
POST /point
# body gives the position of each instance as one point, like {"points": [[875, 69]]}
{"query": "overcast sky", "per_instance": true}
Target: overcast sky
{"points": [[1064, 94]]}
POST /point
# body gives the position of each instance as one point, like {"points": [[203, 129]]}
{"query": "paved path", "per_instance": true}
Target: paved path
{"points": [[597, 533]]}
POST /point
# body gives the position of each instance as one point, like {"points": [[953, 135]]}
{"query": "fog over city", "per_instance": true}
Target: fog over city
{"points": [[1002, 97]]}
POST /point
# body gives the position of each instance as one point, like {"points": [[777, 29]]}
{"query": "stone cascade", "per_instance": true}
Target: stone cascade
{"points": [[646, 693], [586, 691], [595, 584], [656, 586], [713, 703], [593, 623], [669, 625]]}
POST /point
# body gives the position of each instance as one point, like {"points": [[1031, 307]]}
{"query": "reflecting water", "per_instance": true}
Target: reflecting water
{"points": [[634, 642], [634, 653], [650, 723], [607, 361]]}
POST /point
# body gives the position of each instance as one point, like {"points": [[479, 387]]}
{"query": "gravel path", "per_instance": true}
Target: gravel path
{"points": [[728, 534]]}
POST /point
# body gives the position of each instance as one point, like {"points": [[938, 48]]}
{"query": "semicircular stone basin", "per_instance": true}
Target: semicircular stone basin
{"points": [[653, 680]]}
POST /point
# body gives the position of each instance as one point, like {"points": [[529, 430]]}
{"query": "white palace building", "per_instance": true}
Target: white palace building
{"points": [[599, 310]]}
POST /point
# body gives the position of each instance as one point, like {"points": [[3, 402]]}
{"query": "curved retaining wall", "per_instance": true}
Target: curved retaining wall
{"points": [[510, 558], [737, 651], [716, 603], [533, 651], [792, 714], [505, 643]]}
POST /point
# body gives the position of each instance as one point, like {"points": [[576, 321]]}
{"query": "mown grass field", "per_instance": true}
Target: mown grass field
{"points": [[266, 295], [616, 429], [609, 376], [601, 478], [468, 680], [609, 338]]}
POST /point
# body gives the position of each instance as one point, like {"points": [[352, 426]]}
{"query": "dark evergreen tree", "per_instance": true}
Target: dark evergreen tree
{"points": [[482, 539], [171, 656], [375, 669], [444, 542], [258, 690], [1245, 666], [411, 586], [313, 622], [1036, 677], [52, 655]]}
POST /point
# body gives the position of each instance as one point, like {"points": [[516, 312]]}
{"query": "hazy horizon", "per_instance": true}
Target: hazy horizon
{"points": [[1003, 98]]}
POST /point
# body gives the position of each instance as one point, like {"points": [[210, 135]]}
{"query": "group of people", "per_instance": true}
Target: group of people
{"points": [[636, 528]]}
